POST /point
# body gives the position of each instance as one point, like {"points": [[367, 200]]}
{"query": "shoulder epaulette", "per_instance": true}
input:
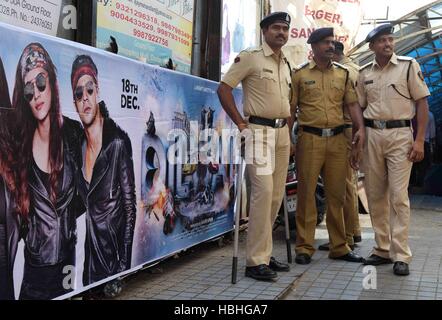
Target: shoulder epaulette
{"points": [[366, 66], [253, 49], [340, 65], [302, 66], [404, 58]]}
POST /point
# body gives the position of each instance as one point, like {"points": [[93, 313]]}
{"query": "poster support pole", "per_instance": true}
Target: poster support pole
{"points": [[237, 216]]}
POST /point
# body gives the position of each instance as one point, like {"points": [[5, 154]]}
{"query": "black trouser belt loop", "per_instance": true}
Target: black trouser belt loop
{"points": [[329, 132], [387, 124], [274, 123]]}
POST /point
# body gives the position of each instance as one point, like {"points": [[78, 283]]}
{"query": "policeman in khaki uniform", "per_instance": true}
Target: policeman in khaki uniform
{"points": [[265, 77], [321, 88], [393, 90], [351, 212]]}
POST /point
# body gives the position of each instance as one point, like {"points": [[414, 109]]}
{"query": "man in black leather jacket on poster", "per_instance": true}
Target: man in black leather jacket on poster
{"points": [[108, 185]]}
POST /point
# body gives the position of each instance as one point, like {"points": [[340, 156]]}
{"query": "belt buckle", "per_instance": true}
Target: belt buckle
{"points": [[278, 123], [327, 132], [380, 124]]}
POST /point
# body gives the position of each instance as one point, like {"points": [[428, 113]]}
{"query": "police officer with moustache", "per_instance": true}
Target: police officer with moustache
{"points": [[351, 212], [265, 77], [321, 89], [393, 90]]}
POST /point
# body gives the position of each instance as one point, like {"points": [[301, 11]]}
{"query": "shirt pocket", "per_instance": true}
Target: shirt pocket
{"points": [[268, 82], [311, 92], [398, 91], [398, 99], [337, 91], [372, 90]]}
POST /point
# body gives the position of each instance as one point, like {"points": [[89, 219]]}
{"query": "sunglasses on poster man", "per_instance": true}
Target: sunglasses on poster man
{"points": [[40, 83], [78, 94]]}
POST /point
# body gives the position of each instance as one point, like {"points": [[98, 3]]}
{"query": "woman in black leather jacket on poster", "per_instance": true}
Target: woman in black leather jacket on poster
{"points": [[48, 151], [9, 194]]}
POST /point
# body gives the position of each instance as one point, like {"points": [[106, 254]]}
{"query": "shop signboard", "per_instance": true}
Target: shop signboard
{"points": [[56, 17], [151, 31], [345, 16]]}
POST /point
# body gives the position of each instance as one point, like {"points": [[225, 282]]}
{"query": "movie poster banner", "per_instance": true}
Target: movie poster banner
{"points": [[345, 16], [121, 164], [151, 31]]}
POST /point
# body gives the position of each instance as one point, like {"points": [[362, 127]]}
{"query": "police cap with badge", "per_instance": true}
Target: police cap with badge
{"points": [[320, 34], [279, 16], [380, 31]]}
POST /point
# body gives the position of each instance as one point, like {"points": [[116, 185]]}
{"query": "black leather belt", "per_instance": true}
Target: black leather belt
{"points": [[274, 123], [348, 126], [328, 132], [387, 124]]}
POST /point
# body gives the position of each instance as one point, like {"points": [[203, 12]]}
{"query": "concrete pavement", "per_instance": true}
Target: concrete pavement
{"points": [[204, 272]]}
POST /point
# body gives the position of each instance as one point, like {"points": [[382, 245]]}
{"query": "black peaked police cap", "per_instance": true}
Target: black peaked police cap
{"points": [[274, 17], [380, 31], [320, 34]]}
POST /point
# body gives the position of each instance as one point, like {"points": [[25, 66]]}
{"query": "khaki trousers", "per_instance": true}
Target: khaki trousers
{"points": [[387, 173], [351, 214], [328, 155], [267, 189]]}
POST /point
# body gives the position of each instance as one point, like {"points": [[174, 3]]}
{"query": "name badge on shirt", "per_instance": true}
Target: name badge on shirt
{"points": [[368, 82], [310, 82], [267, 70]]}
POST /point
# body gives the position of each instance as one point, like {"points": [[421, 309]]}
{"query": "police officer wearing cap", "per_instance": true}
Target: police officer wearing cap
{"points": [[265, 77], [351, 212], [393, 91], [321, 88]]}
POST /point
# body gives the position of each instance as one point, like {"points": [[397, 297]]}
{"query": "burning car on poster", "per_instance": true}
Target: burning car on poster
{"points": [[192, 193]]}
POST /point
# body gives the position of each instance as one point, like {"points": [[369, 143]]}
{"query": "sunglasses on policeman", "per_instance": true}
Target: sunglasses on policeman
{"points": [[79, 91], [39, 82]]}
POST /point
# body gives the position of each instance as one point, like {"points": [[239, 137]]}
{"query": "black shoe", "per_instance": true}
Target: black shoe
{"points": [[357, 239], [350, 257], [275, 265], [375, 260], [261, 272], [303, 258], [401, 268]]}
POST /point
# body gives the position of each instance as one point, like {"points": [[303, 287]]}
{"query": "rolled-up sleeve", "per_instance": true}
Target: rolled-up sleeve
{"points": [[239, 70], [416, 83], [350, 93]]}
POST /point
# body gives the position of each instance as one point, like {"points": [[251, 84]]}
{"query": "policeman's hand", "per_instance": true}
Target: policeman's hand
{"points": [[416, 153], [356, 149], [355, 158], [359, 139]]}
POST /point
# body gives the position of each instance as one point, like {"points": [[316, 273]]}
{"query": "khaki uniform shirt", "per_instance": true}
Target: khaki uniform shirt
{"points": [[353, 70], [321, 94], [386, 93], [265, 81]]}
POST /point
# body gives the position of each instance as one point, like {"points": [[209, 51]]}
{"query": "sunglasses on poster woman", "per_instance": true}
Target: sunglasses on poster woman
{"points": [[40, 82], [78, 93]]}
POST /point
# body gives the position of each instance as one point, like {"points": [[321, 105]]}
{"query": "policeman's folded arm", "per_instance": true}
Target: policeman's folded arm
{"points": [[228, 103]]}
